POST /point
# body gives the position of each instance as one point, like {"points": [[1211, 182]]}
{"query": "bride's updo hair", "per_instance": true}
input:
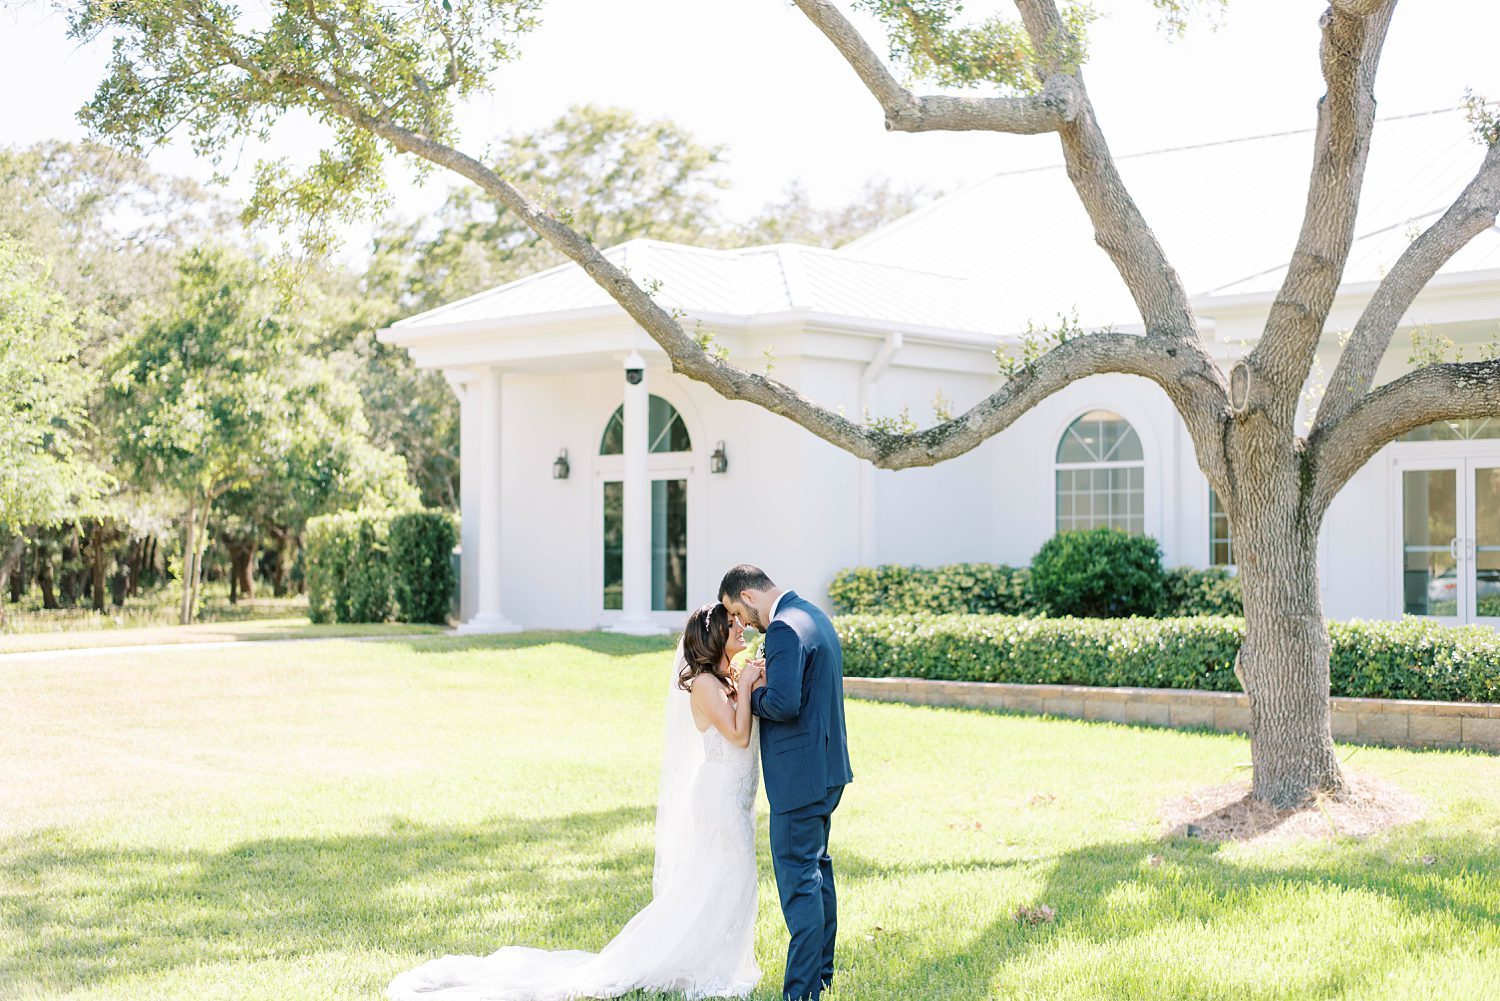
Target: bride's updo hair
{"points": [[703, 642]]}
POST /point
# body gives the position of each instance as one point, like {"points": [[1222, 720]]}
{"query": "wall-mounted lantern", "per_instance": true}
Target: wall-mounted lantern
{"points": [[560, 466], [718, 462]]}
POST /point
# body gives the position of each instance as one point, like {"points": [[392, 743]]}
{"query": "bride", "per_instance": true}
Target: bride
{"points": [[697, 936]]}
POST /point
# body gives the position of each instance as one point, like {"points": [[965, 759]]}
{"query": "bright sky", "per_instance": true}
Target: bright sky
{"points": [[754, 74]]}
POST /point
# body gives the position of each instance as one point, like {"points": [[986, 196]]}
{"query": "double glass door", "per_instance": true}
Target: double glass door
{"points": [[1450, 539], [669, 543]]}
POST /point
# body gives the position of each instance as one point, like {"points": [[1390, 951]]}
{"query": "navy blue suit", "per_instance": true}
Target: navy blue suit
{"points": [[805, 758]]}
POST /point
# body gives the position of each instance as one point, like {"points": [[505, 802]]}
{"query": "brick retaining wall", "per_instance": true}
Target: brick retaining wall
{"points": [[1394, 722]]}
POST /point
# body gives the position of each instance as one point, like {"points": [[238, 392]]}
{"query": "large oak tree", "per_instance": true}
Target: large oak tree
{"points": [[385, 77]]}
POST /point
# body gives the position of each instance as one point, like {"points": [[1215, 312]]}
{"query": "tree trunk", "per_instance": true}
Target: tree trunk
{"points": [[72, 579], [242, 569], [10, 568], [1283, 663], [278, 566], [134, 560], [197, 576], [96, 565], [44, 577], [189, 562]]}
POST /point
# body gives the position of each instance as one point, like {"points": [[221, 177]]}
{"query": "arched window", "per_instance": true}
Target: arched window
{"points": [[665, 431], [1101, 475]]}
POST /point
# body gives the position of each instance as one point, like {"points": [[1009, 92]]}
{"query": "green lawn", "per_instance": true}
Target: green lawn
{"points": [[284, 628], [301, 822]]}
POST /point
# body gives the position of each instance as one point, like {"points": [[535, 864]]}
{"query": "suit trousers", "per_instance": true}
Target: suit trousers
{"points": [[804, 881]]}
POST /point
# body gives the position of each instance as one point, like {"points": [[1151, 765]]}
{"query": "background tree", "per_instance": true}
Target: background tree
{"points": [[215, 394], [43, 468], [794, 218], [385, 79]]}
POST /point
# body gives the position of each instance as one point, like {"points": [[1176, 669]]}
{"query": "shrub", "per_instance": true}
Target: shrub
{"points": [[421, 549], [976, 588], [369, 577], [1148, 653], [373, 566], [1415, 658], [1411, 659], [328, 555], [1098, 573], [1187, 591]]}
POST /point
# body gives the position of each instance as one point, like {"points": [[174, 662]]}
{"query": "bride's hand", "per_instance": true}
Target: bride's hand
{"points": [[751, 674]]}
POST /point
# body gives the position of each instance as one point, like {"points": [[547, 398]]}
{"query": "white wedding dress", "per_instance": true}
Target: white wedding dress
{"points": [[696, 937]]}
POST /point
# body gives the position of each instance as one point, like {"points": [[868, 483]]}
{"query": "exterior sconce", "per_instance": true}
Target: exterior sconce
{"points": [[560, 466], [718, 462]]}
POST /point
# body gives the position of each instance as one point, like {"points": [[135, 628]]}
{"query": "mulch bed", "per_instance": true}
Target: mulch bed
{"points": [[1227, 813]]}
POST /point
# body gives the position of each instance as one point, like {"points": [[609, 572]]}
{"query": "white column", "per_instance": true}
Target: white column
{"points": [[461, 381], [482, 410], [636, 617]]}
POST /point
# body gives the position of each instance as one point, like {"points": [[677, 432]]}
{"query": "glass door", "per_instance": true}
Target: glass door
{"points": [[1430, 581], [669, 543], [1483, 550]]}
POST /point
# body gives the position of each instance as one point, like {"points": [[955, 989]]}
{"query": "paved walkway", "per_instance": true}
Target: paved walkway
{"points": [[104, 651]]}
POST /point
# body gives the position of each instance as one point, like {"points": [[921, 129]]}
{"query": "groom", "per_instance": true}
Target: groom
{"points": [[805, 759]]}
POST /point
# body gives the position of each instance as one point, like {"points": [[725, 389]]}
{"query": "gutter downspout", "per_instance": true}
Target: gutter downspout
{"points": [[867, 380]]}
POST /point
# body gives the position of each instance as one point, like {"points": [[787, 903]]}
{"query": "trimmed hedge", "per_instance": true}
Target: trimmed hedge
{"points": [[373, 567], [421, 554], [1411, 659], [1099, 573], [1187, 591], [976, 588], [996, 589]]}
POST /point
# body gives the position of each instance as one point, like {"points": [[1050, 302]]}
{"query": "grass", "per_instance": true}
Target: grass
{"points": [[249, 630], [307, 824], [156, 607]]}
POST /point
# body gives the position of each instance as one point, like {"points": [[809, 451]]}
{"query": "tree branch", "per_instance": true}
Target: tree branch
{"points": [[1184, 370], [1351, 49], [906, 112], [1473, 212], [1119, 227], [1449, 391]]}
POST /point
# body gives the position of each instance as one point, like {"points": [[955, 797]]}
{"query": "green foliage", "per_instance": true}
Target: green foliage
{"points": [[328, 555], [223, 77], [1415, 658], [1098, 573], [372, 566], [928, 39], [42, 397], [1137, 652], [892, 589], [1190, 591], [1411, 659], [795, 219], [421, 551]]}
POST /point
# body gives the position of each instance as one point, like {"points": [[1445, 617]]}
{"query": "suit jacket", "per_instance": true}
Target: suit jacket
{"points": [[803, 750]]}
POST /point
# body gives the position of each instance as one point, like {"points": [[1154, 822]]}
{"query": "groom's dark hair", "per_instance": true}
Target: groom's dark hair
{"points": [[744, 578]]}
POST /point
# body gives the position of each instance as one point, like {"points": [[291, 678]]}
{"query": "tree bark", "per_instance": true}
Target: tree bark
{"points": [[241, 568], [10, 569], [189, 562], [44, 578], [279, 537], [96, 565], [1283, 665]]}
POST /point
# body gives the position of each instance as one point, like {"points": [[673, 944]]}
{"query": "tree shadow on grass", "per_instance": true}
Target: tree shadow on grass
{"points": [[91, 915], [1109, 894]]}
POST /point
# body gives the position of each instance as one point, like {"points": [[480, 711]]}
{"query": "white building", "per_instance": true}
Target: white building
{"points": [[915, 310]]}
